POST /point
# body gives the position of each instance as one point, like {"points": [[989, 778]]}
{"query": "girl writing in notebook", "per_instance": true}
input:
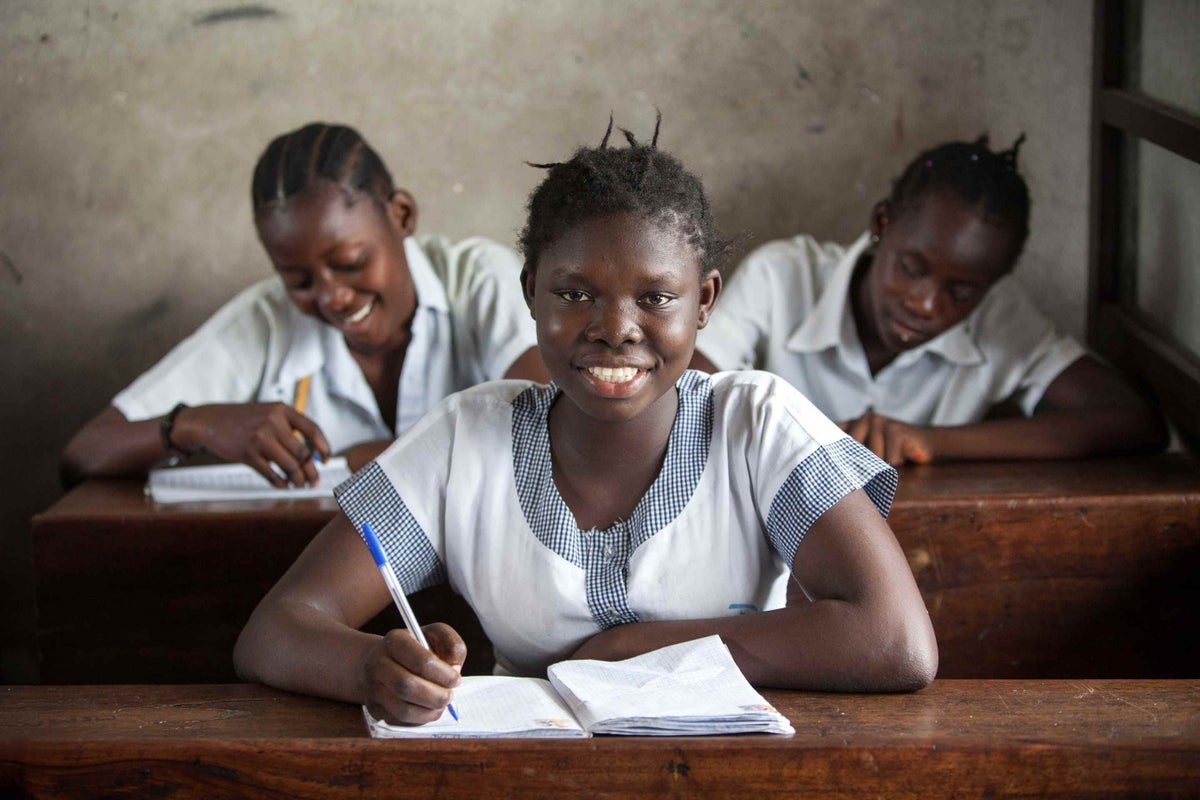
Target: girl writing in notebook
{"points": [[628, 505], [911, 336], [363, 328]]}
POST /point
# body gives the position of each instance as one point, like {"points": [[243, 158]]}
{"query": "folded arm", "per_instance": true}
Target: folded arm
{"points": [[862, 625]]}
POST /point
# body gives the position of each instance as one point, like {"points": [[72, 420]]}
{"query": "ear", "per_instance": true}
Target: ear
{"points": [[528, 280], [710, 289], [402, 211], [881, 217]]}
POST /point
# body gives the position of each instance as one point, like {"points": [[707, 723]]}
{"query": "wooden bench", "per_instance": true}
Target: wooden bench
{"points": [[1041, 569], [968, 738]]}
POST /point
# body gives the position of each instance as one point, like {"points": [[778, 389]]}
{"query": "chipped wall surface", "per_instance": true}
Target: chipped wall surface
{"points": [[129, 130]]}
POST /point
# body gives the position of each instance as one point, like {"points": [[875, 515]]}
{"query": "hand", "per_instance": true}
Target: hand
{"points": [[406, 684], [893, 441], [256, 434]]}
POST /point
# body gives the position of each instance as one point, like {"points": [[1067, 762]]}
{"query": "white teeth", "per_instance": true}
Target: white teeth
{"points": [[360, 315], [614, 374]]}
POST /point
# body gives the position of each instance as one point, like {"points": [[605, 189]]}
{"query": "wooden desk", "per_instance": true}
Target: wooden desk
{"points": [[1047, 739], [1040, 569], [132, 591]]}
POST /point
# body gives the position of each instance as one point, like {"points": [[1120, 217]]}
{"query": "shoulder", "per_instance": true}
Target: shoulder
{"points": [[798, 253], [1008, 320], [763, 403], [468, 256], [253, 315]]}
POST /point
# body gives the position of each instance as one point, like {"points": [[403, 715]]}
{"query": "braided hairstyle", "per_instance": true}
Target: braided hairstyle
{"points": [[982, 179], [639, 179], [335, 153]]}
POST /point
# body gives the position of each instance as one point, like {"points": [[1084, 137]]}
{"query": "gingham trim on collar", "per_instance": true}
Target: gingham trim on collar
{"points": [[604, 555]]}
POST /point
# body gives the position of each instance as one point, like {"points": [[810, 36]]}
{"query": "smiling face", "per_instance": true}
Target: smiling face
{"points": [[618, 300], [341, 256], [932, 266]]}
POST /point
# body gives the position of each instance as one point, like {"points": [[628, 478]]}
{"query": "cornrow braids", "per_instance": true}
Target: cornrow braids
{"points": [[983, 179], [336, 153], [638, 179]]}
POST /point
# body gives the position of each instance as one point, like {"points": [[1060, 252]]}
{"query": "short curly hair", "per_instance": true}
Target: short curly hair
{"points": [[639, 179]]}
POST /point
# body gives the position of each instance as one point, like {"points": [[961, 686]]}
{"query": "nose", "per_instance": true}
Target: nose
{"points": [[332, 294], [614, 324], [922, 300]]}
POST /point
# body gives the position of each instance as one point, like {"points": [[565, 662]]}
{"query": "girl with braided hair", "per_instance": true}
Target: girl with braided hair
{"points": [[915, 334], [628, 505], [364, 328]]}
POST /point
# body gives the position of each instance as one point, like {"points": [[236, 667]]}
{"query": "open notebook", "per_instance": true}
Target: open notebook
{"points": [[688, 689], [235, 482]]}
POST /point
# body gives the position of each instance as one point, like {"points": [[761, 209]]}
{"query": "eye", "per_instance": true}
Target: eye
{"points": [[657, 299], [962, 293], [573, 295], [351, 265], [910, 268]]}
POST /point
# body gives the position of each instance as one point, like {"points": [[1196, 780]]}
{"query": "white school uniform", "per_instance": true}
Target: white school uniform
{"points": [[787, 310], [471, 324], [467, 496]]}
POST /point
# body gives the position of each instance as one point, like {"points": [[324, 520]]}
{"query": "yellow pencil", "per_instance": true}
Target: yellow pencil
{"points": [[300, 400]]}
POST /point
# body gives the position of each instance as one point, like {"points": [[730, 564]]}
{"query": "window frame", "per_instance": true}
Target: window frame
{"points": [[1125, 335]]}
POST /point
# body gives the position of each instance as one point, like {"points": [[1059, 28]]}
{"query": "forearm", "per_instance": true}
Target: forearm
{"points": [[293, 646], [110, 446], [1053, 434], [826, 645]]}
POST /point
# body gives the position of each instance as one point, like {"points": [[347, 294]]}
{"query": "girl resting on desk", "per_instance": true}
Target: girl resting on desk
{"points": [[363, 329], [628, 505], [913, 334]]}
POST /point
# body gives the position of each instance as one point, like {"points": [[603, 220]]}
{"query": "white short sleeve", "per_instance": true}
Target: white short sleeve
{"points": [[491, 306], [222, 362], [800, 462], [1018, 334], [741, 320]]}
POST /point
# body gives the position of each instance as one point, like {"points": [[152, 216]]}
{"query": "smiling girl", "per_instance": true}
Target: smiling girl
{"points": [[362, 330], [628, 505], [914, 334]]}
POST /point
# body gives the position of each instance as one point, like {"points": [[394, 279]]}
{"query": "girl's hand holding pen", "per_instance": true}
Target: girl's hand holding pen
{"points": [[256, 434], [404, 683]]}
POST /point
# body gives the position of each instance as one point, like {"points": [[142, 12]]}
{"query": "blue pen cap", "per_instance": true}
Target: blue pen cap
{"points": [[373, 545]]}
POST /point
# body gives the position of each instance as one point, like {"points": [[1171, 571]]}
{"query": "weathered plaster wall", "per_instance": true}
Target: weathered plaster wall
{"points": [[128, 131]]}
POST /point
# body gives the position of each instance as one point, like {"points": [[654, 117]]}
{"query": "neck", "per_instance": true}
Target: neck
{"points": [[877, 355], [582, 445]]}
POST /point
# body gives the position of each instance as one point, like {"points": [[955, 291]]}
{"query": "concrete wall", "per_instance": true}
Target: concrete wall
{"points": [[129, 130]]}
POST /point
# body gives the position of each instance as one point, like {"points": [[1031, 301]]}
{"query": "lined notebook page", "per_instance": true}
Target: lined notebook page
{"points": [[493, 707], [235, 482], [689, 688]]}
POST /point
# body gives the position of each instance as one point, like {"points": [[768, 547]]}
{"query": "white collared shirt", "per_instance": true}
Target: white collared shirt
{"points": [[467, 496], [471, 324], [787, 310]]}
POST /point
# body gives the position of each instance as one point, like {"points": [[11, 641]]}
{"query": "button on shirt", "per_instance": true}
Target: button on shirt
{"points": [[787, 310], [471, 324]]}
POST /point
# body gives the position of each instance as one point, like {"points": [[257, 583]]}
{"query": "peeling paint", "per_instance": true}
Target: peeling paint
{"points": [[237, 13], [10, 268]]}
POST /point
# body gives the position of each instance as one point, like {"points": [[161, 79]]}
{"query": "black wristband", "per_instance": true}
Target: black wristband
{"points": [[167, 425]]}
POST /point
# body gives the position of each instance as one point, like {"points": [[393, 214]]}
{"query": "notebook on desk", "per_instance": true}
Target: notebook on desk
{"points": [[688, 689], [236, 482]]}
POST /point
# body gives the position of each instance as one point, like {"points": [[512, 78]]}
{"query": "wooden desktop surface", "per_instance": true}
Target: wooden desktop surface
{"points": [[1029, 569], [958, 738]]}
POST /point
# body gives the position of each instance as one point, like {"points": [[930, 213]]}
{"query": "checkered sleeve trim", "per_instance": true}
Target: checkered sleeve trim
{"points": [[368, 496], [818, 482]]}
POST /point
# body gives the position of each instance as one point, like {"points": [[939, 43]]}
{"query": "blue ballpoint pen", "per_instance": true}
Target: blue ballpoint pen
{"points": [[393, 585]]}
